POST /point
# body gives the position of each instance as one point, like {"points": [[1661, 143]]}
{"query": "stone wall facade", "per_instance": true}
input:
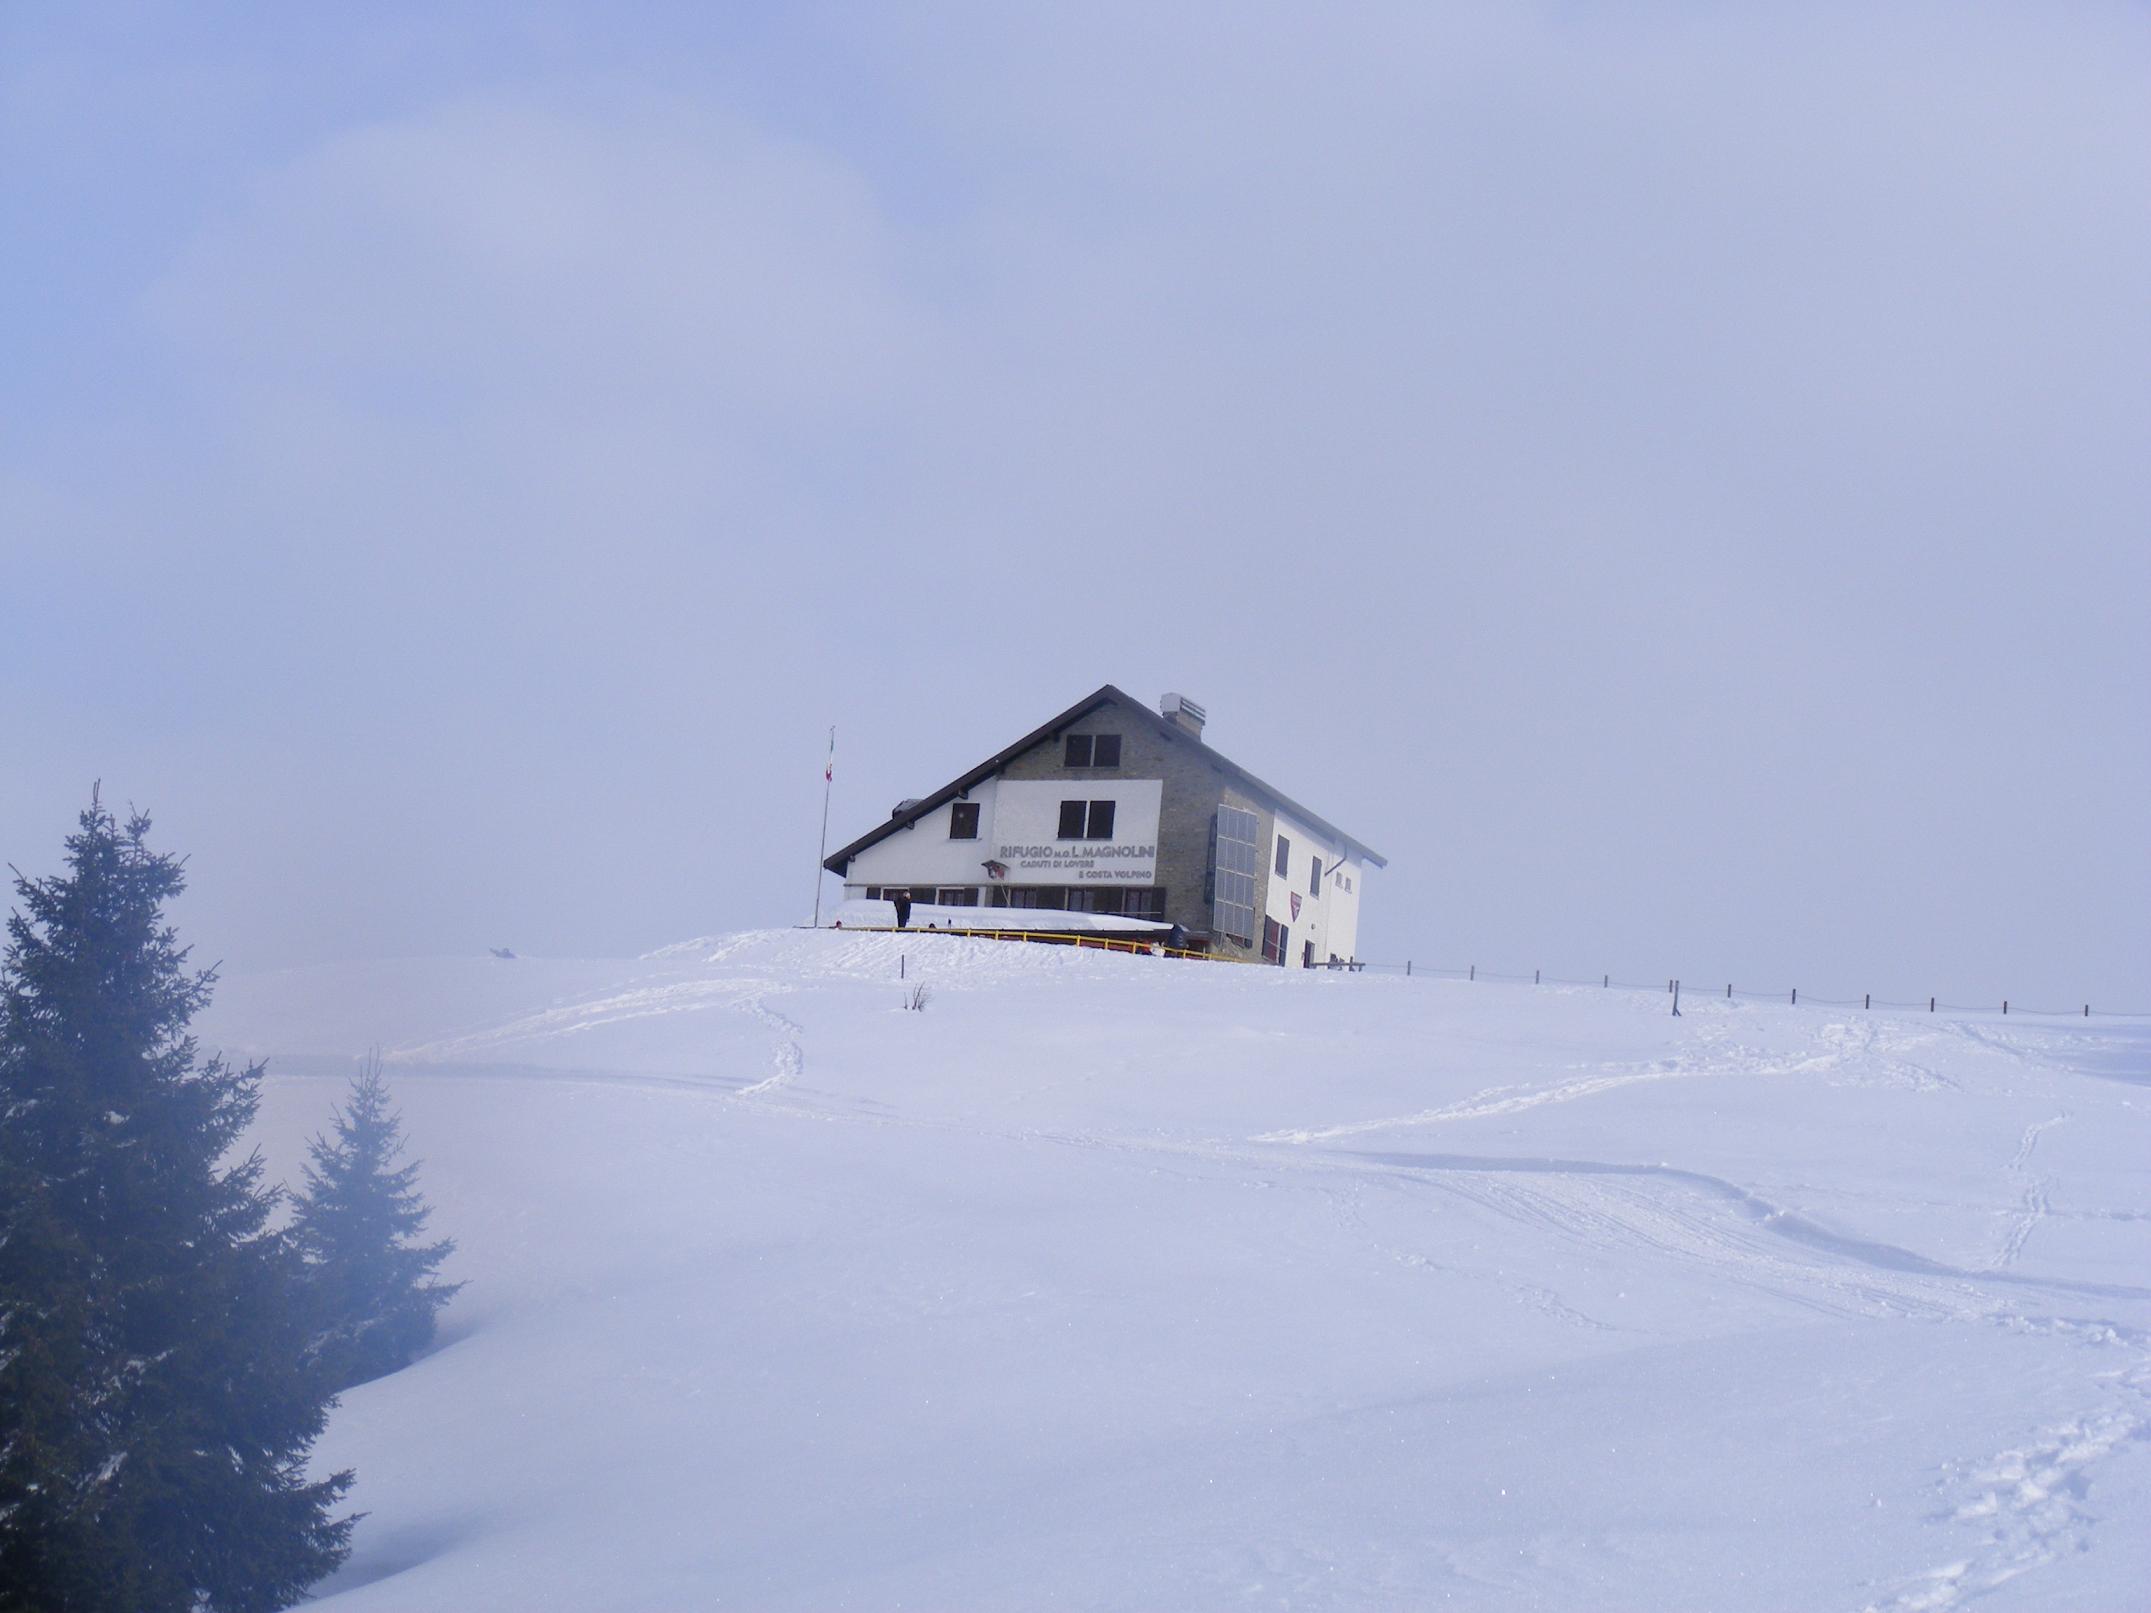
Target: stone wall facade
{"points": [[1194, 785]]}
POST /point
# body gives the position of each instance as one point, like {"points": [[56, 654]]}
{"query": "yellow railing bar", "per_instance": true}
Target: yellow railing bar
{"points": [[1151, 949]]}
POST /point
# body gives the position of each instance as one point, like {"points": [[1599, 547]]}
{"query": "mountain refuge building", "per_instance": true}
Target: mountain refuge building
{"points": [[1112, 811]]}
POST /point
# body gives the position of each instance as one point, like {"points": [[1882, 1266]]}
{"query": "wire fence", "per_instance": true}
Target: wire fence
{"points": [[1790, 995], [1673, 987]]}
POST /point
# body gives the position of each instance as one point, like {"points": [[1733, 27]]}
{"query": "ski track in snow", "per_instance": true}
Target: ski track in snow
{"points": [[2030, 1140], [1844, 1047], [1506, 1100], [1492, 1101], [1714, 1056], [790, 1058], [2027, 1505], [580, 1018], [1705, 1221], [1867, 1052], [2034, 1205]]}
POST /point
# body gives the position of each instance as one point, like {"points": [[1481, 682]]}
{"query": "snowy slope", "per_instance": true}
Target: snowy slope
{"points": [[1118, 1282]]}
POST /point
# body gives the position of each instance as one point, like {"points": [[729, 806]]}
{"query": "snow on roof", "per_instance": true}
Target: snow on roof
{"points": [[860, 914]]}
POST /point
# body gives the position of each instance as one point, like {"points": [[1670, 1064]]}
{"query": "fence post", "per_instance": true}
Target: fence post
{"points": [[1474, 974], [2005, 1005], [901, 962], [1868, 1001], [1607, 982], [2087, 1010], [1676, 999], [1534, 977], [1796, 997], [1930, 1005], [1728, 991]]}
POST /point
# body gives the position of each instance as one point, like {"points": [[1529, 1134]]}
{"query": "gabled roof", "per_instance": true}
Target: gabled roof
{"points": [[1107, 695]]}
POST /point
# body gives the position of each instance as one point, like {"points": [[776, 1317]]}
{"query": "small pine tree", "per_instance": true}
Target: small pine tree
{"points": [[156, 1405], [358, 1225]]}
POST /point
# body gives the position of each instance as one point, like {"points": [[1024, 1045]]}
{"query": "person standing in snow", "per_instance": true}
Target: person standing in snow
{"points": [[902, 901]]}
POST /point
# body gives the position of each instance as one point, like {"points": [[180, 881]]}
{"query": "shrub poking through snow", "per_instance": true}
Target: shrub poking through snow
{"points": [[358, 1224], [156, 1398]]}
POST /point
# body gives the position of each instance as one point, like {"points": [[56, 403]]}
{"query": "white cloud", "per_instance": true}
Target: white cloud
{"points": [[500, 244], [1615, 443]]}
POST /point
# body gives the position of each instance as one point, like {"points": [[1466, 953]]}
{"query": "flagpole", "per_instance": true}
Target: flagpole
{"points": [[828, 780]]}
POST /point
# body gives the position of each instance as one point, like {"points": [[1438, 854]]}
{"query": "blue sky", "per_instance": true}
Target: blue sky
{"points": [[1672, 481]]}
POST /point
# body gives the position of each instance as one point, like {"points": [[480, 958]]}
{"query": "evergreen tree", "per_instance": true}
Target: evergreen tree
{"points": [[358, 1226], [156, 1405]]}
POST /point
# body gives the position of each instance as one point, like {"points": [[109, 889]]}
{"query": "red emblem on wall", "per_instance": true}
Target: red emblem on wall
{"points": [[1295, 907], [996, 870]]}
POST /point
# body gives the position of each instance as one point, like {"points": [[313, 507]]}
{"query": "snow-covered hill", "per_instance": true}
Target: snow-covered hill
{"points": [[1117, 1282]]}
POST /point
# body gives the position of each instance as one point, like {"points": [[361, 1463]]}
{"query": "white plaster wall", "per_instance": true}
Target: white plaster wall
{"points": [[925, 855], [1344, 909], [1330, 920], [1015, 813], [1020, 811], [1027, 832]]}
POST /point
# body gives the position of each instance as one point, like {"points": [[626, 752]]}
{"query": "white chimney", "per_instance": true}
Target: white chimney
{"points": [[1182, 711]]}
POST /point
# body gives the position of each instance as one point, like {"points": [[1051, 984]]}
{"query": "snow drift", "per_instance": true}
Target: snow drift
{"points": [[1118, 1282]]}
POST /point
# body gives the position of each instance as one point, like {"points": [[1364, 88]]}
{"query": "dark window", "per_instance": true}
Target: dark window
{"points": [[1232, 874], [1307, 956], [1284, 856], [963, 821], [1086, 820], [1029, 896], [1276, 942], [1092, 750], [1314, 877], [957, 896], [873, 893], [1134, 904]]}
